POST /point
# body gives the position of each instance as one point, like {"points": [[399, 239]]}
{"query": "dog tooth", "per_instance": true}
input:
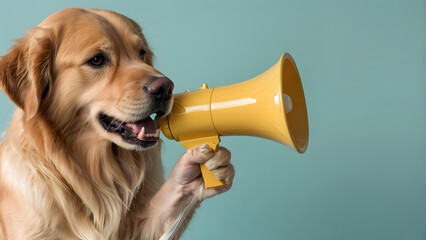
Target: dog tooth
{"points": [[156, 134], [141, 134]]}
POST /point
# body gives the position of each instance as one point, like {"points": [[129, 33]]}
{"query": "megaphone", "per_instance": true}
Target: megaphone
{"points": [[270, 105]]}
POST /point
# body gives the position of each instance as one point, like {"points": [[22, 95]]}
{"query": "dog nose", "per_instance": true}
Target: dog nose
{"points": [[160, 87]]}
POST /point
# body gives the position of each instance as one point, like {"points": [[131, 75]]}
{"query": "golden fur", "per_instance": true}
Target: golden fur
{"points": [[62, 176]]}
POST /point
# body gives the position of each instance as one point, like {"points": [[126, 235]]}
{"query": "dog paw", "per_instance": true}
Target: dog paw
{"points": [[220, 165]]}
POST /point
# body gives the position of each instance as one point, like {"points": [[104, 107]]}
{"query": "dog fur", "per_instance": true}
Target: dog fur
{"points": [[62, 176]]}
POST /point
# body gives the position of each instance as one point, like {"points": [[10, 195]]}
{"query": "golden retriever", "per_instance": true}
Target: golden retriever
{"points": [[81, 157]]}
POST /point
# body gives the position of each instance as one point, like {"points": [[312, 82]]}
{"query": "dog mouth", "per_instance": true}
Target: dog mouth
{"points": [[144, 132]]}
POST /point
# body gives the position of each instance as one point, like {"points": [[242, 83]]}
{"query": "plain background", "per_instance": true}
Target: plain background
{"points": [[361, 64]]}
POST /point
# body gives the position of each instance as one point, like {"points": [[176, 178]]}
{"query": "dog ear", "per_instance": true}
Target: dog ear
{"points": [[26, 71]]}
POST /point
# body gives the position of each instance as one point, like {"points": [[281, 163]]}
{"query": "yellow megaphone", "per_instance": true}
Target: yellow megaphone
{"points": [[270, 105]]}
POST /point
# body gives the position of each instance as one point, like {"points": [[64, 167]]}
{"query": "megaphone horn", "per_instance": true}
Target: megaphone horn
{"points": [[270, 105]]}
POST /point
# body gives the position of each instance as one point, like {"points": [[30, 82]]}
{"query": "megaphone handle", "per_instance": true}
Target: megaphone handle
{"points": [[210, 181]]}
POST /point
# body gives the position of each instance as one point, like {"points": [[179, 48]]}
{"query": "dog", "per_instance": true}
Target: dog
{"points": [[81, 157]]}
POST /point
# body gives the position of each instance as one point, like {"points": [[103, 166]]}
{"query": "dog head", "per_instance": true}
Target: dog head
{"points": [[90, 72]]}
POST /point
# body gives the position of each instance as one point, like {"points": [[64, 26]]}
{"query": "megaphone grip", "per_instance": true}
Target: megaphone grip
{"points": [[210, 180]]}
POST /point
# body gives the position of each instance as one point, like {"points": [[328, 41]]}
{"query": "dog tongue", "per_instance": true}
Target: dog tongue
{"points": [[148, 124]]}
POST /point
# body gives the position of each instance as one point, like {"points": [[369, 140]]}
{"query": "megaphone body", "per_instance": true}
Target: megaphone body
{"points": [[270, 105]]}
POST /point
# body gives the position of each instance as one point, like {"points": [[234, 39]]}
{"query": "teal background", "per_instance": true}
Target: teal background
{"points": [[361, 63]]}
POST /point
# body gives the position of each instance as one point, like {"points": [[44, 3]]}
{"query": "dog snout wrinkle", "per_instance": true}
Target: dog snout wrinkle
{"points": [[160, 87]]}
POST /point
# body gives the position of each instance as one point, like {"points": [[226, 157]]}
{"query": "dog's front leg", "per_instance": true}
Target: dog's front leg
{"points": [[182, 185]]}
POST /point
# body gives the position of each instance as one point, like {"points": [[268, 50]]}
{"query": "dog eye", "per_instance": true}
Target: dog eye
{"points": [[97, 61], [142, 54]]}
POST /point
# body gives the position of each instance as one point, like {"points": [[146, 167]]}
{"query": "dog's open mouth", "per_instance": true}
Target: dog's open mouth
{"points": [[144, 133]]}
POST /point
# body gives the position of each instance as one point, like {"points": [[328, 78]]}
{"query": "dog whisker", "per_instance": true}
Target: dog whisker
{"points": [[121, 124], [110, 124], [102, 115]]}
